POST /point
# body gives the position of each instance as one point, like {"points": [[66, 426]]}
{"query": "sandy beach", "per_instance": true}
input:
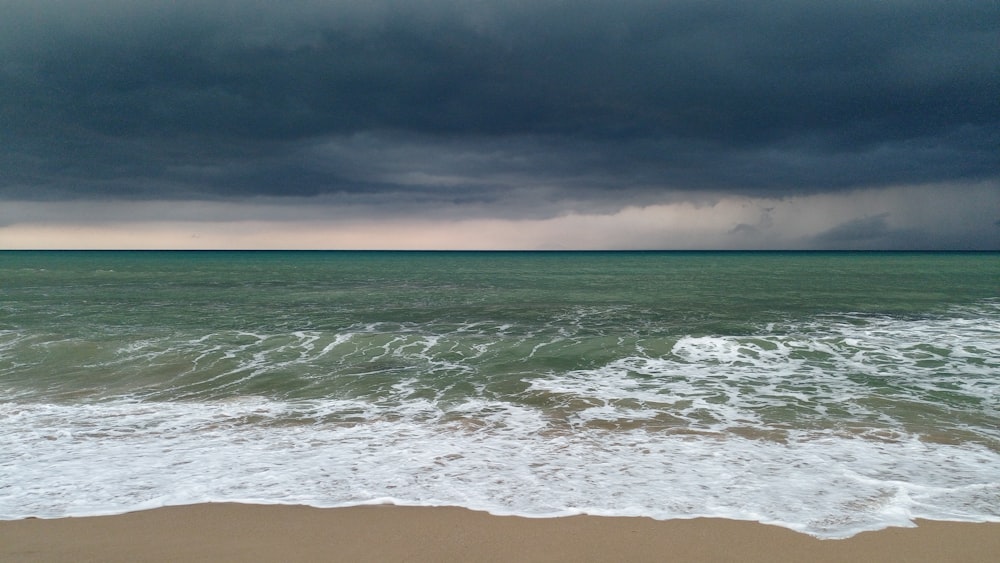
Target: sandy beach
{"points": [[234, 532]]}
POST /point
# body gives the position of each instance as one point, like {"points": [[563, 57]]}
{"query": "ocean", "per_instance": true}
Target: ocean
{"points": [[830, 393]]}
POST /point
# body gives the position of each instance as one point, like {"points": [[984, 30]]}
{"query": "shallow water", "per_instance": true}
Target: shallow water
{"points": [[827, 392]]}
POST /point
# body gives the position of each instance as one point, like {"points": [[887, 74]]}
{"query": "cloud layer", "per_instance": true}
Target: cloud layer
{"points": [[498, 109]]}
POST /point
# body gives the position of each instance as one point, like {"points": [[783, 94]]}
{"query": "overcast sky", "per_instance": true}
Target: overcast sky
{"points": [[500, 124]]}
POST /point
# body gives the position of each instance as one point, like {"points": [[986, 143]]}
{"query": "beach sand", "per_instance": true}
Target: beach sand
{"points": [[235, 532]]}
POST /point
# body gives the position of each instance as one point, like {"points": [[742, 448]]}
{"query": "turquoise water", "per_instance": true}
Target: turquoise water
{"points": [[826, 392]]}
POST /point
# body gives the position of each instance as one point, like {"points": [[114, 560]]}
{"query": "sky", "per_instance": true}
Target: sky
{"points": [[500, 124]]}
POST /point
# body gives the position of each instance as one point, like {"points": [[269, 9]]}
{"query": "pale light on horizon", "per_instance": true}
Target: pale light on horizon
{"points": [[860, 219]]}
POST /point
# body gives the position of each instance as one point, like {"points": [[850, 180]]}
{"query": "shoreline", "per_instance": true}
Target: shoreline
{"points": [[246, 532]]}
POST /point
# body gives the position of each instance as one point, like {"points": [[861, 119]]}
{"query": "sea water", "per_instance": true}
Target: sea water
{"points": [[829, 393]]}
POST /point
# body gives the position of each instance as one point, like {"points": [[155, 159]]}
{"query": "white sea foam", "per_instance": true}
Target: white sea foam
{"points": [[69, 460], [847, 424]]}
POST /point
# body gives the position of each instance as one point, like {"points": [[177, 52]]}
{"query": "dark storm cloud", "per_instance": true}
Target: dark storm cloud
{"points": [[584, 103], [875, 232], [858, 230]]}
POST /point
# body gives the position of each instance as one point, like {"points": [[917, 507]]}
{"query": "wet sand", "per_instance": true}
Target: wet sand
{"points": [[235, 532]]}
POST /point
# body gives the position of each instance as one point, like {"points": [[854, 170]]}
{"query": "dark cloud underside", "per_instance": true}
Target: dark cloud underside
{"points": [[433, 100]]}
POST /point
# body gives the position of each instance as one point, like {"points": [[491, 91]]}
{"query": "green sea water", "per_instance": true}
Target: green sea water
{"points": [[622, 373]]}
